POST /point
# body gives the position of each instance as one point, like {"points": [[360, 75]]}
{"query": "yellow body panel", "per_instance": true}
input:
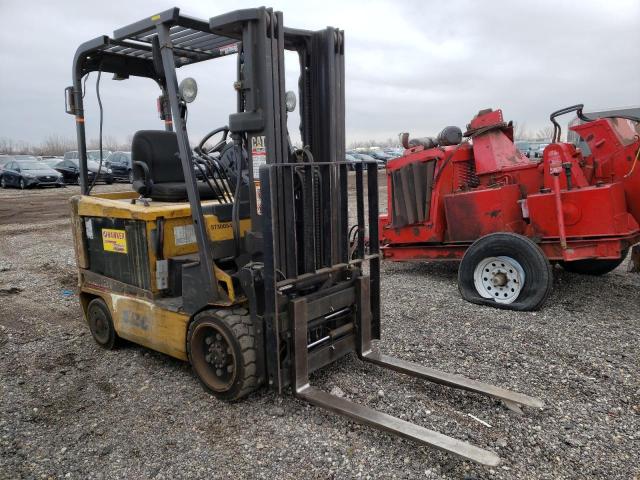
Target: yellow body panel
{"points": [[144, 320]]}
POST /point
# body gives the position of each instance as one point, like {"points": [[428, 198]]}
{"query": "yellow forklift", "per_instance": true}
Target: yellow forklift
{"points": [[243, 256]]}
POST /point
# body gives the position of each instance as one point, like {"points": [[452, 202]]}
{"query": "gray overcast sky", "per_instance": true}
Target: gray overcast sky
{"points": [[410, 65]]}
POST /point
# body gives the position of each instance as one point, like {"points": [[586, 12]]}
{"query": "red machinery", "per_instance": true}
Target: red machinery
{"points": [[507, 216]]}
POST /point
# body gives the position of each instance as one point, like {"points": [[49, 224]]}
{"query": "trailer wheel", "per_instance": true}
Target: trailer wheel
{"points": [[505, 270], [222, 351], [594, 266], [101, 324]]}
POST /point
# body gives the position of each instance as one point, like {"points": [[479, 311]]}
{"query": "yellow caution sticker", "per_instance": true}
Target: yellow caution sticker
{"points": [[155, 18], [114, 240]]}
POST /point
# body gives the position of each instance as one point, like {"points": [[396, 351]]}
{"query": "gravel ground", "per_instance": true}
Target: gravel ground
{"points": [[72, 410]]}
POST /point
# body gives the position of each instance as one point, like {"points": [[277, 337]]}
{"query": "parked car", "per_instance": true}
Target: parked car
{"points": [[4, 159], [48, 158], [351, 159], [524, 148], [540, 149], [120, 165], [380, 155], [93, 155], [394, 152], [70, 170], [25, 171], [51, 161], [368, 158]]}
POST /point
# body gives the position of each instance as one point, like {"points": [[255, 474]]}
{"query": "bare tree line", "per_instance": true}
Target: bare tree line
{"points": [[521, 132], [388, 143], [58, 145]]}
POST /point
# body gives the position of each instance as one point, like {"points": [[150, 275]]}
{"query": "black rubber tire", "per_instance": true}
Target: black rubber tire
{"points": [[76, 180], [109, 182], [594, 266], [536, 266], [101, 324], [236, 328]]}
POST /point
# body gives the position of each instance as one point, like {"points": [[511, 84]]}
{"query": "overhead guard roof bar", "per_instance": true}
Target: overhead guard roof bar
{"points": [[130, 46]]}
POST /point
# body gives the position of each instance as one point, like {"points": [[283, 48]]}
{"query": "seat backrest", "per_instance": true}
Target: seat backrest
{"points": [[159, 150]]}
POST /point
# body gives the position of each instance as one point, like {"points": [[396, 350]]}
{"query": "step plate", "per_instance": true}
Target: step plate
{"points": [[396, 426]]}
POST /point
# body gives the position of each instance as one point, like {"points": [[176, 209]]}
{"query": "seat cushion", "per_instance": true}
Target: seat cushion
{"points": [[177, 192]]}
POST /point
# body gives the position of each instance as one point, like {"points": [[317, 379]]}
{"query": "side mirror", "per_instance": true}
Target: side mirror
{"points": [[69, 101]]}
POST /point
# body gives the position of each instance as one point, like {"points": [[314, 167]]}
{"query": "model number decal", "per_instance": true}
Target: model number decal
{"points": [[114, 240], [220, 226]]}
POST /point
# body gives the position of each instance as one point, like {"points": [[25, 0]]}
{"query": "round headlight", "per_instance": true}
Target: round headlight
{"points": [[109, 170], [188, 89], [290, 101]]}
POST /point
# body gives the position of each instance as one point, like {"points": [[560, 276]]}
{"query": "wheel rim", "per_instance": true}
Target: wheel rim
{"points": [[499, 278], [100, 325], [2, 183], [130, 177], [213, 357], [22, 184]]}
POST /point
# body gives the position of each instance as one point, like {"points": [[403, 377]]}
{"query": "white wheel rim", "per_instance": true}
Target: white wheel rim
{"points": [[499, 278]]}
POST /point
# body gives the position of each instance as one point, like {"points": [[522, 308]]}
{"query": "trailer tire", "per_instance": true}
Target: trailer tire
{"points": [[532, 276], [101, 324], [594, 266], [221, 347]]}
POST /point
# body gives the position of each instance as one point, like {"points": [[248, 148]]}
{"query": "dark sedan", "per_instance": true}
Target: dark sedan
{"points": [[25, 172], [4, 159], [367, 158], [120, 165], [70, 170]]}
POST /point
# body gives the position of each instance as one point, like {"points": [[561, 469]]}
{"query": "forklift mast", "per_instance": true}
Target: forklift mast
{"points": [[301, 225]]}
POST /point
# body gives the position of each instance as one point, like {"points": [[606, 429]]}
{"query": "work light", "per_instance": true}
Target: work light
{"points": [[290, 101], [188, 89]]}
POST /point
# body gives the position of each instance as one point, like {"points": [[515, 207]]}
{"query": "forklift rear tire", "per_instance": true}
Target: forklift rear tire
{"points": [[594, 266], [101, 324], [505, 270], [222, 351]]}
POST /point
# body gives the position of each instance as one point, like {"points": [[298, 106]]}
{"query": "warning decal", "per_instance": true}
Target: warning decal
{"points": [[184, 234], [259, 154], [114, 240]]}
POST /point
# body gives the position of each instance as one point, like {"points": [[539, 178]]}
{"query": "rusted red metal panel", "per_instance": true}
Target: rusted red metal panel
{"points": [[588, 212], [471, 215]]}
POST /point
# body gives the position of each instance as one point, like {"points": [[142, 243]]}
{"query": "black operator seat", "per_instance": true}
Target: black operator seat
{"points": [[157, 170]]}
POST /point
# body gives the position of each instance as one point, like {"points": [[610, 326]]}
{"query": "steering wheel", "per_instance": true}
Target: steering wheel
{"points": [[218, 146]]}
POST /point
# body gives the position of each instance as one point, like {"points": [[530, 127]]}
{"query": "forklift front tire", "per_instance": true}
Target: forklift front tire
{"points": [[101, 324], [505, 270], [222, 351]]}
